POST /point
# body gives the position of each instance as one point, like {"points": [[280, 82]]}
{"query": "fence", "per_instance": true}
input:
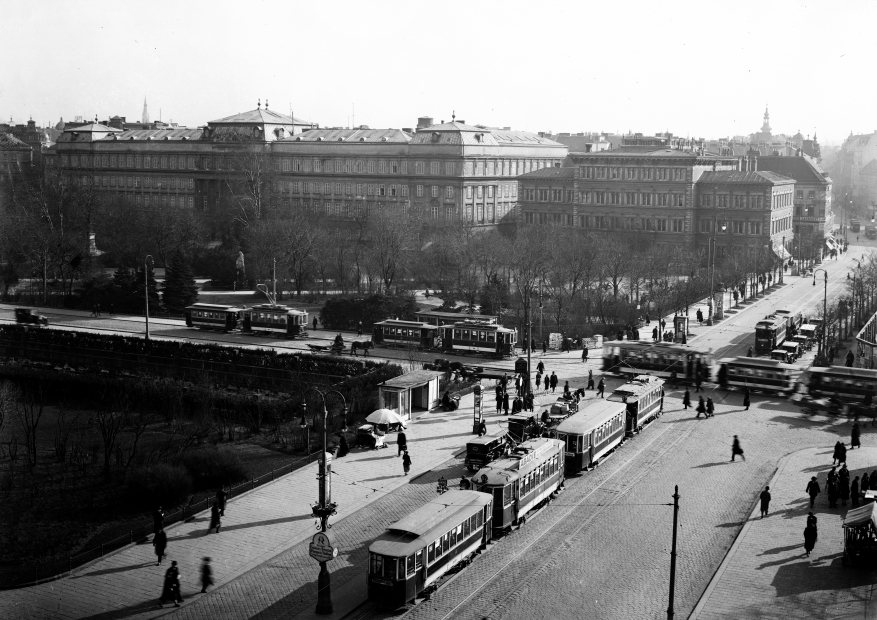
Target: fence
{"points": [[28, 575]]}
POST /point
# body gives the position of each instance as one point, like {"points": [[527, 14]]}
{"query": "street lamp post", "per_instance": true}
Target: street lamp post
{"points": [[824, 311], [325, 507], [783, 259], [146, 289]]}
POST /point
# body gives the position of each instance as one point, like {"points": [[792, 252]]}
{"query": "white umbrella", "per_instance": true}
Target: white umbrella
{"points": [[385, 416]]}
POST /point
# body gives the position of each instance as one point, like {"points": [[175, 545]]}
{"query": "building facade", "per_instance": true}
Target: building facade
{"points": [[813, 209], [14, 154], [446, 171]]}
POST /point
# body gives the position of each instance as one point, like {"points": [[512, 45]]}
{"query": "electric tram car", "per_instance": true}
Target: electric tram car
{"points": [[770, 333], [523, 480], [592, 433], [850, 385], [662, 359], [275, 319], [794, 319], [644, 398], [213, 316], [758, 374], [395, 332], [479, 337], [420, 548]]}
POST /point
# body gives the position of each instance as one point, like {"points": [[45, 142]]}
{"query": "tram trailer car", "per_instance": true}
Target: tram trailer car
{"points": [[523, 480], [275, 319], [760, 374], [770, 333], [420, 548], [479, 337], [213, 316], [592, 433], [395, 332], [630, 357], [851, 385], [644, 398], [794, 319]]}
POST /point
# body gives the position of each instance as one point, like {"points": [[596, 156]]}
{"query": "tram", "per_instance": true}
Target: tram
{"points": [[758, 374], [770, 333], [523, 480], [395, 332], [275, 319], [850, 385], [644, 398], [592, 433], [794, 319], [420, 548], [479, 337], [213, 316], [662, 359]]}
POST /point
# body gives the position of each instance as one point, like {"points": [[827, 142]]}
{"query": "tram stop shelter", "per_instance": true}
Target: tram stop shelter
{"points": [[860, 535], [411, 394]]}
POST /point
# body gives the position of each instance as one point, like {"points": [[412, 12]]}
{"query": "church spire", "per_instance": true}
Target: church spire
{"points": [[145, 119], [766, 126]]}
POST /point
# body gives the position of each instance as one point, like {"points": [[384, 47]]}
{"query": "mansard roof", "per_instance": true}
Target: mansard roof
{"points": [[802, 169], [396, 136], [551, 173], [260, 115], [735, 176]]}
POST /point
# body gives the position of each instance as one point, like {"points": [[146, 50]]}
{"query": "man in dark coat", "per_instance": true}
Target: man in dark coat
{"points": [[517, 405], [206, 575], [159, 541], [585, 355], [505, 403], [157, 520], [601, 387], [711, 409], [810, 535], [540, 367], [765, 501], [590, 380], [553, 381], [866, 482], [528, 402], [401, 442], [699, 315], [343, 447], [701, 407], [215, 521], [655, 334], [855, 434], [813, 490], [547, 380], [686, 399], [835, 457], [746, 397], [736, 449], [171, 589], [315, 322], [406, 462], [854, 491], [221, 495], [482, 428]]}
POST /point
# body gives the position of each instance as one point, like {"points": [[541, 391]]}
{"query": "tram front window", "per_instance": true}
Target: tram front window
{"points": [[383, 566]]}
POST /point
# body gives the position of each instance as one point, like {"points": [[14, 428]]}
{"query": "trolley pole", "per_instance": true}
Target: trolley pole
{"points": [[670, 611]]}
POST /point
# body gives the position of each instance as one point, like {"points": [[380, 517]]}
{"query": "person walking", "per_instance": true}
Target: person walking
{"points": [[584, 354], [359, 329], [686, 399], [844, 489], [601, 387], [833, 491], [315, 323], [538, 380], [765, 501], [505, 403], [546, 378], [699, 314], [854, 491], [544, 347], [746, 400], [736, 449], [406, 462], [343, 447], [157, 520], [844, 474], [159, 541], [655, 334], [215, 521], [553, 381], [590, 380], [402, 443], [810, 535], [749, 352], [171, 589], [813, 490], [697, 382], [711, 409], [540, 367], [855, 435], [528, 402], [498, 400], [206, 574], [221, 495], [701, 407]]}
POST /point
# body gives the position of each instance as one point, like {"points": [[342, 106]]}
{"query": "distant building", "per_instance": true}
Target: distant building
{"points": [[15, 155], [813, 212]]}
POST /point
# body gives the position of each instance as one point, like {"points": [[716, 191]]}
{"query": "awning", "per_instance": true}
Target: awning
{"points": [[781, 252], [861, 515], [831, 243]]}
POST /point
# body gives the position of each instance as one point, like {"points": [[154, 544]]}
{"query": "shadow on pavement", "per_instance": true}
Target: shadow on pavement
{"points": [[239, 526], [109, 571], [711, 465], [803, 577], [131, 610], [780, 549]]}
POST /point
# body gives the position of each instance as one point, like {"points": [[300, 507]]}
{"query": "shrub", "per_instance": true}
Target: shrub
{"points": [[212, 468], [158, 485]]}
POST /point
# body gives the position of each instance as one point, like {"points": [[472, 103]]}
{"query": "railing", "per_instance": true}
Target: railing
{"points": [[34, 573]]}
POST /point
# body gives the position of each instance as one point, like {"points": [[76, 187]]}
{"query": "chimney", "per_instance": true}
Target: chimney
{"points": [[424, 121], [741, 164], [753, 163]]}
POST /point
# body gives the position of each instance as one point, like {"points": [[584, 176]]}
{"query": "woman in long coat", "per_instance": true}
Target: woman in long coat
{"points": [[686, 399], [215, 521], [854, 491], [810, 535], [833, 492], [866, 482], [855, 435], [746, 397], [160, 544], [701, 407], [171, 589]]}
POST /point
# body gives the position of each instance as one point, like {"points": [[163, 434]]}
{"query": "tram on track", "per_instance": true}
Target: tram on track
{"points": [[479, 337], [760, 374], [213, 316], [592, 433], [420, 548], [644, 398], [275, 319], [662, 359], [770, 333], [850, 385], [395, 332]]}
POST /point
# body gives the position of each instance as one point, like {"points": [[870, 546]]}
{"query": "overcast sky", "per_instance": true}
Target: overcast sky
{"points": [[694, 68]]}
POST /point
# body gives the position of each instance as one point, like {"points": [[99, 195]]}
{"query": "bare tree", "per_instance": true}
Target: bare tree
{"points": [[299, 236], [29, 411], [389, 238], [111, 419]]}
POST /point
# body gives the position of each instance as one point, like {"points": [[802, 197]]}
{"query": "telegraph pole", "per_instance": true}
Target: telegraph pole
{"points": [[673, 554]]}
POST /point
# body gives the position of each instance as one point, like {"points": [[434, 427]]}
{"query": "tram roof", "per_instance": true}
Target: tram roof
{"points": [[276, 308], [510, 467], [590, 417], [666, 347], [844, 371], [757, 362], [479, 325], [421, 527], [403, 323], [641, 384], [457, 315], [202, 306]]}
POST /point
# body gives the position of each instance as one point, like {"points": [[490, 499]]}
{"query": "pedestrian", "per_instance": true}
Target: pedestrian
{"points": [[157, 520], [540, 367], [699, 314], [528, 401], [765, 501], [171, 589], [655, 334], [221, 496], [359, 329], [498, 400], [701, 407], [736, 449], [749, 352], [406, 462], [872, 484], [833, 490], [854, 491], [590, 380], [697, 382], [686, 399], [810, 536], [855, 435], [545, 378], [566, 389], [215, 521], [544, 347], [97, 309], [844, 488], [402, 442], [482, 428], [315, 323], [832, 475], [505, 403], [584, 355], [601, 387], [866, 482], [839, 453], [746, 398], [844, 474], [206, 575], [343, 447], [517, 405], [553, 381], [711, 409], [159, 541], [813, 490], [538, 379], [812, 520]]}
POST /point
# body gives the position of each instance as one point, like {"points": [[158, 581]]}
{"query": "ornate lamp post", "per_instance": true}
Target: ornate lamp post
{"points": [[146, 289], [321, 547], [824, 310]]}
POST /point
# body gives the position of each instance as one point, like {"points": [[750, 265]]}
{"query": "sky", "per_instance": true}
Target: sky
{"points": [[700, 69]]}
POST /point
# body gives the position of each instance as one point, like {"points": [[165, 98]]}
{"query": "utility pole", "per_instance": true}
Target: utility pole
{"points": [[670, 611], [146, 289], [541, 337]]}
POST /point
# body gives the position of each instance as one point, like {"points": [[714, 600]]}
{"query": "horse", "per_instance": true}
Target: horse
{"points": [[365, 345]]}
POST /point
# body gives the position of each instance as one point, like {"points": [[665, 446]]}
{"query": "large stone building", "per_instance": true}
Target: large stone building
{"points": [[445, 171], [813, 212], [15, 155]]}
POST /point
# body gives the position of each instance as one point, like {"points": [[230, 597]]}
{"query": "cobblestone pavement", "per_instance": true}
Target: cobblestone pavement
{"points": [[767, 575], [601, 549]]}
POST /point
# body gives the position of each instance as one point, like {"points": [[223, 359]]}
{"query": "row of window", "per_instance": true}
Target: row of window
{"points": [[737, 227], [799, 194], [444, 544], [505, 190], [143, 182], [738, 201], [781, 224], [155, 162], [632, 174], [164, 200], [539, 475]]}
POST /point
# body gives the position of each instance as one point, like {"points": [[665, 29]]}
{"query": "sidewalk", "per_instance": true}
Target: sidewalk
{"points": [[258, 527], [767, 575]]}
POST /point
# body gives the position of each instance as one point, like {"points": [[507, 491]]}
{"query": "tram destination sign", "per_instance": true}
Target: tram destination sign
{"points": [[535, 453], [321, 547]]}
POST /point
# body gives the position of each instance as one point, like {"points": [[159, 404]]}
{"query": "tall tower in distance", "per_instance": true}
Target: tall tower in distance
{"points": [[145, 119], [765, 128]]}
